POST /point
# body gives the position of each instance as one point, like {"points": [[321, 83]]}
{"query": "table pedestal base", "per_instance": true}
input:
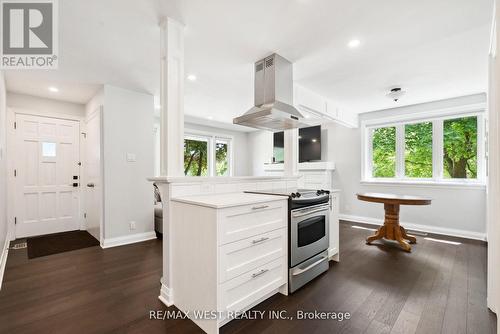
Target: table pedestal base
{"points": [[391, 230]]}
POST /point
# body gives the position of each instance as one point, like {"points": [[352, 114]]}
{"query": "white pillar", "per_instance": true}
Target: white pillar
{"points": [[172, 98], [291, 147], [171, 134]]}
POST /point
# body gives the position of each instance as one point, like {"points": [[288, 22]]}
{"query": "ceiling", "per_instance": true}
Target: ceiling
{"points": [[433, 49]]}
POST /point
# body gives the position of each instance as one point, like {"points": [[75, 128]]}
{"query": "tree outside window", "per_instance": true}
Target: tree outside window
{"points": [[460, 148], [195, 157], [384, 152], [221, 158], [418, 150]]}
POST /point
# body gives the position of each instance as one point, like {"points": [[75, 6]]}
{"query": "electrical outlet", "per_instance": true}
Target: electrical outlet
{"points": [[132, 225]]}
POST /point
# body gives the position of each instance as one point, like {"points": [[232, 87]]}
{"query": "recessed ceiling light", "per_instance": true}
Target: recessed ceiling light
{"points": [[210, 117], [354, 43], [307, 116], [191, 77], [54, 89], [314, 140]]}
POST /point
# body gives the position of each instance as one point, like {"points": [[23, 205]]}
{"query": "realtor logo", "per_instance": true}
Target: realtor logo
{"points": [[29, 34]]}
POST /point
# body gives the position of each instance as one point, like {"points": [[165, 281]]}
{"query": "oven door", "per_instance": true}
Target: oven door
{"points": [[308, 232]]}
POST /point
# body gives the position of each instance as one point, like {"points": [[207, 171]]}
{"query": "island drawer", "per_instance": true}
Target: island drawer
{"points": [[244, 255], [244, 290], [245, 221]]}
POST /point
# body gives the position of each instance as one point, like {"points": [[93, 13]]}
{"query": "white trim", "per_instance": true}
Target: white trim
{"points": [[320, 165], [424, 228], [166, 294], [443, 113], [426, 183], [3, 259], [128, 239]]}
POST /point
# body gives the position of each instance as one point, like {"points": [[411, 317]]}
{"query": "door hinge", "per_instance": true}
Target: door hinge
{"points": [[15, 220], [15, 172], [85, 215], [15, 125]]}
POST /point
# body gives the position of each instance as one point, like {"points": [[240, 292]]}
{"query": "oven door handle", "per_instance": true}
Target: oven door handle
{"points": [[306, 213], [312, 265]]}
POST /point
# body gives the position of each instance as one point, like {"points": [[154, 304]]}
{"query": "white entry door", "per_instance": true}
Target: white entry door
{"points": [[47, 175]]}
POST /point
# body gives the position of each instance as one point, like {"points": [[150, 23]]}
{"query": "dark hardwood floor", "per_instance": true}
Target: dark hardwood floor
{"points": [[439, 288]]}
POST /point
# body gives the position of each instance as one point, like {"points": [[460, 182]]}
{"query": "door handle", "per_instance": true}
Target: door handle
{"points": [[259, 240], [90, 185], [299, 271], [305, 213], [259, 207], [261, 272]]}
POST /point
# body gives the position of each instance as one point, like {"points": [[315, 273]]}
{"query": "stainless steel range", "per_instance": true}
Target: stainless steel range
{"points": [[308, 233]]}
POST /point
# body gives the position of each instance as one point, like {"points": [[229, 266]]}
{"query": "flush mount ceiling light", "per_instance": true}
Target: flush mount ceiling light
{"points": [[395, 94], [53, 89], [354, 43], [210, 117], [191, 77]]}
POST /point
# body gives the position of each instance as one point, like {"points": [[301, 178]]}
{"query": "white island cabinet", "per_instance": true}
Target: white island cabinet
{"points": [[229, 254]]}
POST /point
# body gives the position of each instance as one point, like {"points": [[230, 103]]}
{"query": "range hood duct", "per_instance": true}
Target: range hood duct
{"points": [[273, 97]]}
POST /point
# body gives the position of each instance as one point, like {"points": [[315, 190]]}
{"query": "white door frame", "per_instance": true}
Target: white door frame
{"points": [[98, 110], [11, 181]]}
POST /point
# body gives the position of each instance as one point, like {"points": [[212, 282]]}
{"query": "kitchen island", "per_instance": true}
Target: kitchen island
{"points": [[229, 254]]}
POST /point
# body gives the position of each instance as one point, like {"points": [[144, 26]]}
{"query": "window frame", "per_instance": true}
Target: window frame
{"points": [[367, 127], [212, 138]]}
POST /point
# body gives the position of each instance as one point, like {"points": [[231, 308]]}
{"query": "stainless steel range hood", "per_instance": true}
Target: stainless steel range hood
{"points": [[273, 101]]}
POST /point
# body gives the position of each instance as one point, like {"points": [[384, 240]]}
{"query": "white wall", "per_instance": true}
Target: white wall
{"points": [[42, 106], [3, 176], [261, 151], [127, 128]]}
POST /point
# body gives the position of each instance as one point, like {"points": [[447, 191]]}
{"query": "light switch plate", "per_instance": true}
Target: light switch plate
{"points": [[131, 157]]}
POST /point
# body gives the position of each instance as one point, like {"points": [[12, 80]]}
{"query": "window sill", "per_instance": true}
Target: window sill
{"points": [[425, 184]]}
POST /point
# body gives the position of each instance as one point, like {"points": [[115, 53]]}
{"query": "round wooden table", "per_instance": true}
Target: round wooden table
{"points": [[391, 229]]}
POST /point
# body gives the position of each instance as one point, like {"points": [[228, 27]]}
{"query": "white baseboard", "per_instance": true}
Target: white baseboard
{"points": [[3, 259], [166, 295], [128, 239], [424, 228]]}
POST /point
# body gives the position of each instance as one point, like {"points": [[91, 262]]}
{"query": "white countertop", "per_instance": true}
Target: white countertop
{"points": [[228, 200], [219, 179]]}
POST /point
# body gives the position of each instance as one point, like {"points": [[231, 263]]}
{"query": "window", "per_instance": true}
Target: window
{"points": [[48, 150], [195, 156], [418, 150], [207, 155], [460, 148], [222, 157], [384, 152], [432, 150]]}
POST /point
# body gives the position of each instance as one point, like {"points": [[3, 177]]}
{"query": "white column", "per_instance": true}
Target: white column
{"points": [[172, 98], [171, 134], [291, 163]]}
